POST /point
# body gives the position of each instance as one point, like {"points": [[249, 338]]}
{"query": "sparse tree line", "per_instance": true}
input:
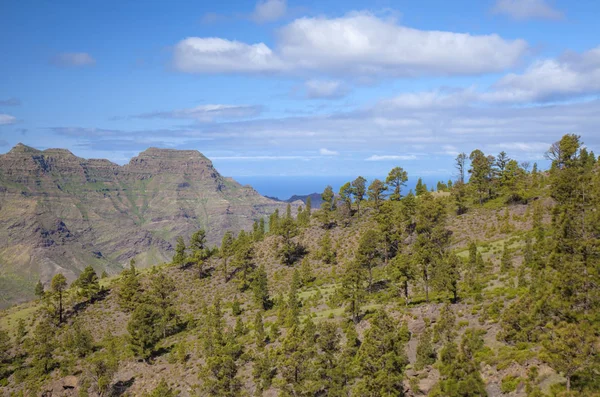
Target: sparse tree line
{"points": [[403, 257]]}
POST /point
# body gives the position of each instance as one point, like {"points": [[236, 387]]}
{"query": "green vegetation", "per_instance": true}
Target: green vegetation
{"points": [[491, 286]]}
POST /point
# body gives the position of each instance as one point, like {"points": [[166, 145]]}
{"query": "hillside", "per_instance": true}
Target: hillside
{"points": [[486, 288], [60, 213]]}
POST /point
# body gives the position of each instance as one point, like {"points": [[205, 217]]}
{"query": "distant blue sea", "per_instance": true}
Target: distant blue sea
{"points": [[283, 187]]}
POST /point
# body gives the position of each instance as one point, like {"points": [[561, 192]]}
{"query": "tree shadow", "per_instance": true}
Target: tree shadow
{"points": [[81, 306], [121, 387]]}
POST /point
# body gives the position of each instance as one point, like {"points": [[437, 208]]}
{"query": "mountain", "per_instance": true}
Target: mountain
{"points": [[315, 199], [60, 212]]}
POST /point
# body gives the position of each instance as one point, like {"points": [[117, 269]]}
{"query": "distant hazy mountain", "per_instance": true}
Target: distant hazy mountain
{"points": [[315, 199], [60, 213]]}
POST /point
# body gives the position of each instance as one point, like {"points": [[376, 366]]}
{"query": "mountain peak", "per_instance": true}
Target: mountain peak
{"points": [[21, 148], [171, 153]]}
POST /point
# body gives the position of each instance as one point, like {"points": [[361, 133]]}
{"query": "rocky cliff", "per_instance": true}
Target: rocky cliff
{"points": [[60, 212]]}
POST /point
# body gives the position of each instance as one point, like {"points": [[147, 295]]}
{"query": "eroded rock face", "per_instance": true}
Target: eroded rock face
{"points": [[72, 212]]}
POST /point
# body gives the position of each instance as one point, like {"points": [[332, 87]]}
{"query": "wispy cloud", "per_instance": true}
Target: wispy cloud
{"points": [[327, 152], [259, 158], [73, 59], [526, 9], [377, 157], [358, 44], [7, 119], [325, 89], [10, 102], [269, 10], [206, 113]]}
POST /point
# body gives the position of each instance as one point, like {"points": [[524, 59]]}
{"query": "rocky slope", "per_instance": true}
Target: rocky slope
{"points": [[60, 213]]}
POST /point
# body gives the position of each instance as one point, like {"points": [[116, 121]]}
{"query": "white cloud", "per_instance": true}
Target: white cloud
{"points": [[571, 75], [75, 59], [7, 119], [526, 9], [358, 44], [327, 152], [215, 55], [325, 89], [376, 157], [269, 10], [430, 99], [206, 113]]}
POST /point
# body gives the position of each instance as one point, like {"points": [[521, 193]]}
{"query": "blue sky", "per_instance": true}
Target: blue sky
{"points": [[311, 88]]}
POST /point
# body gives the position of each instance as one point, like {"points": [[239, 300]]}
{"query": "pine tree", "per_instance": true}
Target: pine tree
{"points": [[432, 240], [396, 179], [226, 250], [129, 288], [459, 368], [59, 285], [421, 188], [259, 330], [274, 222], [376, 192], [42, 347], [199, 251], [403, 273], [179, 259], [103, 366], [353, 289], [243, 260], [293, 305], [306, 273], [219, 374], [5, 347], [426, 354], [570, 348], [368, 253], [326, 252], [88, 283], [39, 290], [444, 329], [261, 289], [161, 292], [506, 260], [381, 359], [78, 340], [480, 171], [358, 191], [144, 330]]}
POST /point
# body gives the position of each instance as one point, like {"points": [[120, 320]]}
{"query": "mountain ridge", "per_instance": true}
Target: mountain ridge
{"points": [[61, 212]]}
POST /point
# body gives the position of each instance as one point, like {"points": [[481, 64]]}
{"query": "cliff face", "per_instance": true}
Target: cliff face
{"points": [[60, 213]]}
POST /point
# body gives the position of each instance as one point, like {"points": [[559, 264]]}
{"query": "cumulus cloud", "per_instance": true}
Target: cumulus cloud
{"points": [[10, 102], [7, 119], [206, 113], [376, 157], [74, 59], [526, 9], [569, 76], [327, 152], [358, 44], [269, 10], [215, 55], [325, 89]]}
